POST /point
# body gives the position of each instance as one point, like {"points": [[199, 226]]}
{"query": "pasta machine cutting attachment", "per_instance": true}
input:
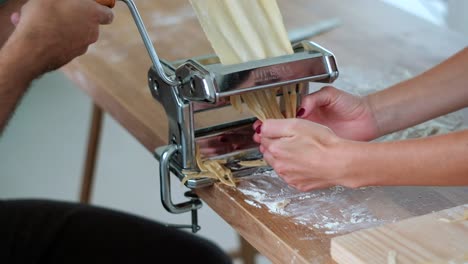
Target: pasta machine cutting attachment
{"points": [[195, 94]]}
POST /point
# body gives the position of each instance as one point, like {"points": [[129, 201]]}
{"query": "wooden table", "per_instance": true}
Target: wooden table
{"points": [[376, 46]]}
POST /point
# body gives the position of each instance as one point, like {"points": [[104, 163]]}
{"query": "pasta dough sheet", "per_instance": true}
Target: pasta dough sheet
{"points": [[243, 30]]}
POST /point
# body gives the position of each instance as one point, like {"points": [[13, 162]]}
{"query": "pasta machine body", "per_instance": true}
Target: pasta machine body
{"points": [[205, 85]]}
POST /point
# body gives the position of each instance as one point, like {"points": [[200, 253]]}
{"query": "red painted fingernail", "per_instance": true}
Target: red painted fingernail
{"points": [[258, 130], [300, 112]]}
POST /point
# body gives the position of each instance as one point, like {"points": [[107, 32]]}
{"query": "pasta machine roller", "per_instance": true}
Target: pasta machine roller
{"points": [[195, 93]]}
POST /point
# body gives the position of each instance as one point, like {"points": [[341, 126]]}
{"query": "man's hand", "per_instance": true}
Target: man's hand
{"points": [[52, 32], [48, 35]]}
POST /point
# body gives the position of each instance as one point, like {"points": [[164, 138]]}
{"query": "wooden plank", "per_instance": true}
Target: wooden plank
{"points": [[440, 237]]}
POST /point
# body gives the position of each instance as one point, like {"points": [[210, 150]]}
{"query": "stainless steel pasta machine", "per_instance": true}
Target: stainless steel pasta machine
{"points": [[195, 94]]}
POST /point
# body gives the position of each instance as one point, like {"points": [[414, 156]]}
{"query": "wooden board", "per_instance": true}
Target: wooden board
{"points": [[440, 237]]}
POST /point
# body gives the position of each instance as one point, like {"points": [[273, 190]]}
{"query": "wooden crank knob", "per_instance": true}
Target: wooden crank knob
{"points": [[109, 3]]}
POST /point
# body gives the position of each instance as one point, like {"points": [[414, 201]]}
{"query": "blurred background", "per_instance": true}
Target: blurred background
{"points": [[43, 148]]}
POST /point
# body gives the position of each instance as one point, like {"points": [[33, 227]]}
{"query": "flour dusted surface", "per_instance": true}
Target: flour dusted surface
{"points": [[327, 210]]}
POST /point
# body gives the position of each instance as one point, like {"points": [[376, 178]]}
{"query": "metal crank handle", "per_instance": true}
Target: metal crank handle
{"points": [[146, 39]]}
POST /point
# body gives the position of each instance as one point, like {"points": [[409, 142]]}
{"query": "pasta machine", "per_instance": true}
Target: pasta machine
{"points": [[195, 94]]}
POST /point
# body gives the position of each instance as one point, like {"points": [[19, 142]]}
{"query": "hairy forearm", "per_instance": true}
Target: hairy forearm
{"points": [[436, 92], [432, 161], [15, 77]]}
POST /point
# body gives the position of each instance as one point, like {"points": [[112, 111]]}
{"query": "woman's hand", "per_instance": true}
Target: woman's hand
{"points": [[306, 155], [349, 116]]}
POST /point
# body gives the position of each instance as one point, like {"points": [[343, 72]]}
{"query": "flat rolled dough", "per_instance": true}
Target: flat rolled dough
{"points": [[243, 30]]}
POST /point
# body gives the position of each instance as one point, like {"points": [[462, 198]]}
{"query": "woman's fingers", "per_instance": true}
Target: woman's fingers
{"points": [[320, 98], [278, 128]]}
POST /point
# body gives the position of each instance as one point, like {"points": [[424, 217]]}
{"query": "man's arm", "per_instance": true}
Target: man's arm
{"points": [[15, 77], [40, 44]]}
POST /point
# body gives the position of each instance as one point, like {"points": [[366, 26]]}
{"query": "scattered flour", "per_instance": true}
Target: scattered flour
{"points": [[329, 210], [160, 26], [254, 204], [181, 14]]}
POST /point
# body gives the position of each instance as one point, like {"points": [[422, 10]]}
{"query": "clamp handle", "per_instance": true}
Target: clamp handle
{"points": [[108, 3], [165, 154]]}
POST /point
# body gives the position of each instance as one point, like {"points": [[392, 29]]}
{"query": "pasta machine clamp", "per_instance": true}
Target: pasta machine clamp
{"points": [[200, 86]]}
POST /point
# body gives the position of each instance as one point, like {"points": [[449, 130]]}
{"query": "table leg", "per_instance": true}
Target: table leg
{"points": [[91, 154], [246, 252]]}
